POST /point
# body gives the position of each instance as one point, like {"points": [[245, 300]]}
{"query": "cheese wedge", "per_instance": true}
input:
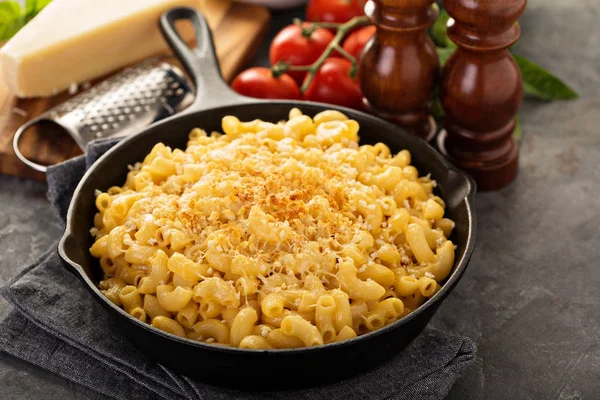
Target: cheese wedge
{"points": [[73, 41]]}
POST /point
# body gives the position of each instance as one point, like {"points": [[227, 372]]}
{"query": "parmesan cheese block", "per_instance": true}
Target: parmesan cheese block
{"points": [[72, 41]]}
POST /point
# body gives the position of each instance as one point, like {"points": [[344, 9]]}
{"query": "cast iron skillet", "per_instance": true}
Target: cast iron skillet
{"points": [[251, 368]]}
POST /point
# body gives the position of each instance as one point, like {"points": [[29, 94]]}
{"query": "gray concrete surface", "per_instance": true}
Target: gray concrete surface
{"points": [[530, 297]]}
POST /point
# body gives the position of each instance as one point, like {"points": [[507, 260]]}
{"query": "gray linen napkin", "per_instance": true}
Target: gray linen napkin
{"points": [[58, 326]]}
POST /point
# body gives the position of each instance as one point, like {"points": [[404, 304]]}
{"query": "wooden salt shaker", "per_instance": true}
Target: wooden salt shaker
{"points": [[481, 91], [399, 66]]}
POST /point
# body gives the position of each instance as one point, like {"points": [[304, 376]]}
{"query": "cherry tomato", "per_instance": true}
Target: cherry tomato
{"points": [[333, 84], [357, 40], [333, 10], [291, 45], [259, 82]]}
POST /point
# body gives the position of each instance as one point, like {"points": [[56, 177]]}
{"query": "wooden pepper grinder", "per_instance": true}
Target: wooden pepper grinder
{"points": [[399, 66], [481, 91]]}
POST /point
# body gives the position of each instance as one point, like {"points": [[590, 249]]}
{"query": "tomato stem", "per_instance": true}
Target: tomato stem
{"points": [[343, 52], [307, 30], [342, 30], [299, 68], [328, 25], [353, 71], [279, 69]]}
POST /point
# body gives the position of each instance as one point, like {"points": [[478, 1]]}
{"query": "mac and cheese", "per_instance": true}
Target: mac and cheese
{"points": [[272, 236]]}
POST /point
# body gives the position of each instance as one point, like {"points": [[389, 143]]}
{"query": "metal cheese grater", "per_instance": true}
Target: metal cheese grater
{"points": [[119, 106]]}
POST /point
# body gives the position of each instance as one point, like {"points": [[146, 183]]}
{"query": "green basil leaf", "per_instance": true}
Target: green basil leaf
{"points": [[10, 11], [33, 7], [41, 4], [8, 30], [11, 19], [542, 84], [439, 31], [437, 111], [518, 129], [30, 6], [444, 55]]}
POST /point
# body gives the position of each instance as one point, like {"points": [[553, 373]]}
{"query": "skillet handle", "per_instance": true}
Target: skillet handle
{"points": [[200, 62], [69, 252]]}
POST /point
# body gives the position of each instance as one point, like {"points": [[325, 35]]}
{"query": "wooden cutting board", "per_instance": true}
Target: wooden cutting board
{"points": [[238, 30]]}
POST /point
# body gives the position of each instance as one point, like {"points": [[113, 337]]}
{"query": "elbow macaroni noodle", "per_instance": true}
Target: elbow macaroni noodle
{"points": [[272, 236]]}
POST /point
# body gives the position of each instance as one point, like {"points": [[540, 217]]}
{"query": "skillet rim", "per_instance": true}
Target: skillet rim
{"points": [[458, 269]]}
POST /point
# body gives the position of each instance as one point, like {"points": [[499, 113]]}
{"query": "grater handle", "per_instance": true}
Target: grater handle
{"points": [[17, 149], [200, 62]]}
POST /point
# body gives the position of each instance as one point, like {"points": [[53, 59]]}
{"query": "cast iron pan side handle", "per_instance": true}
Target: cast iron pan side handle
{"points": [[200, 62], [69, 252]]}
